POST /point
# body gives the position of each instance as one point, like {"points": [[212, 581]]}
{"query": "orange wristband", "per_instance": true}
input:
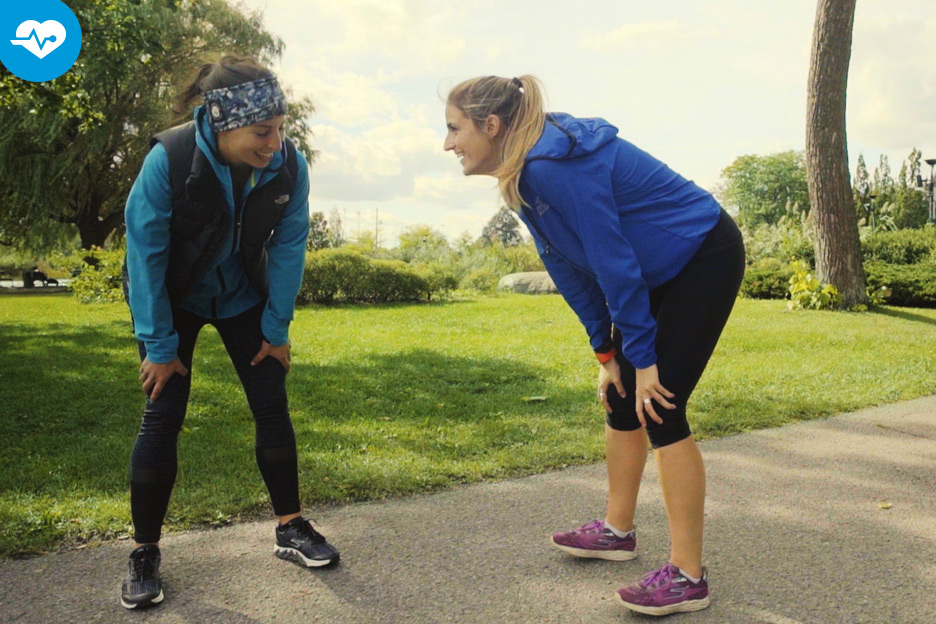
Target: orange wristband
{"points": [[606, 357]]}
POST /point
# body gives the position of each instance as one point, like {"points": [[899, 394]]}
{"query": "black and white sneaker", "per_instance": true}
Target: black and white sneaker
{"points": [[298, 542], [143, 587]]}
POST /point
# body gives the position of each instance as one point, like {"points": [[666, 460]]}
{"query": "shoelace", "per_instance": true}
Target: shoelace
{"points": [[143, 566], [594, 525], [655, 577], [314, 536]]}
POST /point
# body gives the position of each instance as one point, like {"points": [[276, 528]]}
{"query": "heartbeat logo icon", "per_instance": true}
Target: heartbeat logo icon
{"points": [[40, 39]]}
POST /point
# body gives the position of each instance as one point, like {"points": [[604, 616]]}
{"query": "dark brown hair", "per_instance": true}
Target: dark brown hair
{"points": [[229, 71]]}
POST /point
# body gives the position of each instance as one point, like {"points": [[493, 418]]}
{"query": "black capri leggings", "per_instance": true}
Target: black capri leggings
{"points": [[153, 463], [690, 310]]}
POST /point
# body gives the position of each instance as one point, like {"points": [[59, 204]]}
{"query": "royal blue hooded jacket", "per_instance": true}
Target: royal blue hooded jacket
{"points": [[610, 223], [148, 214]]}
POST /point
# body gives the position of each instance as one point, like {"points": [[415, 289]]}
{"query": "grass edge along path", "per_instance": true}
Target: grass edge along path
{"points": [[390, 400]]}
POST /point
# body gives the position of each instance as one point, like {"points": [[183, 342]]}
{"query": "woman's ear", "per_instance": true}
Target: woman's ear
{"points": [[492, 126]]}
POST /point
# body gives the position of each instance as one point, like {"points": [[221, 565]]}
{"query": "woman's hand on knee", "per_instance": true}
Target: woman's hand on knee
{"points": [[649, 389], [154, 377], [281, 353], [609, 374]]}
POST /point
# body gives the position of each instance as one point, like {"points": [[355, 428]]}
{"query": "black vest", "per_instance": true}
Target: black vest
{"points": [[201, 220]]}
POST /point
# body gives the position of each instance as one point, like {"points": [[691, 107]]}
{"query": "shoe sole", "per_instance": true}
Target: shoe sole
{"points": [[680, 607], [144, 603], [607, 555], [293, 555]]}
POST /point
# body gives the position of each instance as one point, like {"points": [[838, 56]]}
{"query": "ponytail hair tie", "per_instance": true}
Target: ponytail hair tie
{"points": [[518, 84]]}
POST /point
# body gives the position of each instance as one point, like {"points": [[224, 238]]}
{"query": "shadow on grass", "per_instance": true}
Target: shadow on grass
{"points": [[398, 422], [906, 316], [393, 305]]}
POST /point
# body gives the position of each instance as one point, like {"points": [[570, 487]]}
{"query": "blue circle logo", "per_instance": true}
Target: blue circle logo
{"points": [[39, 40]]}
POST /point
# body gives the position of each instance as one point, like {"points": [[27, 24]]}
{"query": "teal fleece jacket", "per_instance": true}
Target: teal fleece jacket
{"points": [[148, 213]]}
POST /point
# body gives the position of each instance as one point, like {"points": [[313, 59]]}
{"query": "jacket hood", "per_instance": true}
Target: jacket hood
{"points": [[565, 136]]}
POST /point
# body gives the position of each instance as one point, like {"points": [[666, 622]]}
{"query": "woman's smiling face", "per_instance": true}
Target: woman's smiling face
{"points": [[253, 145], [475, 148]]}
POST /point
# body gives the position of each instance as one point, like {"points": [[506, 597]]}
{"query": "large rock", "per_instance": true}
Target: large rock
{"points": [[532, 283]]}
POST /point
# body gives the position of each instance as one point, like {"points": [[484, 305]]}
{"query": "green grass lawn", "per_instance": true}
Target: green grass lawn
{"points": [[392, 399]]}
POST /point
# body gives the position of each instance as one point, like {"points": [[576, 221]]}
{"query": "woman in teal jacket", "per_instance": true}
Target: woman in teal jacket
{"points": [[651, 265], [217, 222]]}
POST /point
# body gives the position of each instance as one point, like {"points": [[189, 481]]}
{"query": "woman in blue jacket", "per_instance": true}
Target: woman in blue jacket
{"points": [[651, 265], [217, 222]]}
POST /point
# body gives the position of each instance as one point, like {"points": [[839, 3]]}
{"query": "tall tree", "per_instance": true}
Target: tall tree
{"points": [[336, 228], [320, 235], [70, 148], [761, 187], [838, 252], [910, 209], [503, 228], [883, 179], [423, 244]]}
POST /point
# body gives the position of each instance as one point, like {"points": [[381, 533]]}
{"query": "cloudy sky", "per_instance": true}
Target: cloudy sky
{"points": [[694, 82]]}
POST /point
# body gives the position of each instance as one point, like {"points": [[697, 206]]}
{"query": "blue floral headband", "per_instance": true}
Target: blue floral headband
{"points": [[244, 104]]}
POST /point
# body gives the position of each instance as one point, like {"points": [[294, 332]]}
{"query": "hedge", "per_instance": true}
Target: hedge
{"points": [[767, 279], [901, 246], [341, 275], [912, 285]]}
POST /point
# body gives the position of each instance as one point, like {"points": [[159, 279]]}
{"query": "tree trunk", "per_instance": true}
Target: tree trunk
{"points": [[838, 251], [93, 230]]}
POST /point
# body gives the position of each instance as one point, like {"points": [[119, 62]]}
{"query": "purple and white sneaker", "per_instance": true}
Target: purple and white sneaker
{"points": [[665, 591], [593, 540]]}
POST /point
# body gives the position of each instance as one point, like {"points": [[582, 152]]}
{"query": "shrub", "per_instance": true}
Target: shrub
{"points": [[910, 284], [96, 274], [484, 279], [390, 280], [345, 275], [482, 266], [787, 240], [439, 278], [768, 278], [808, 293], [900, 246], [330, 272]]}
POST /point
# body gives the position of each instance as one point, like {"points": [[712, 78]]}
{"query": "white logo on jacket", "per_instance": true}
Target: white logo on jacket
{"points": [[540, 206]]}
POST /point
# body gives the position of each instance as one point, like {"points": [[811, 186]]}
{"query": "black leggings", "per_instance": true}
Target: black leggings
{"points": [[690, 311], [153, 463]]}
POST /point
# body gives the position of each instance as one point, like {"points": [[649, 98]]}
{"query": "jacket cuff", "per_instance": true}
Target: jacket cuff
{"points": [[605, 346], [274, 332]]}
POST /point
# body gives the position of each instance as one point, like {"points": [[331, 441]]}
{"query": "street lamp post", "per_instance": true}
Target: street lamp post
{"points": [[927, 187], [866, 197]]}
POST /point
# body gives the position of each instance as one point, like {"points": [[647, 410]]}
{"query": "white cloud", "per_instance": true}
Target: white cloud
{"points": [[892, 83], [696, 84], [343, 98], [403, 37], [633, 35], [467, 190]]}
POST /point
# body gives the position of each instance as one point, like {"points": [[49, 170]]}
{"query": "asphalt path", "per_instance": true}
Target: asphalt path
{"points": [[825, 522]]}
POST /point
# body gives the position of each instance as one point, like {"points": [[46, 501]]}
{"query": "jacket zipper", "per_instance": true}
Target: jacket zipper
{"points": [[214, 300], [238, 219], [550, 246], [238, 215]]}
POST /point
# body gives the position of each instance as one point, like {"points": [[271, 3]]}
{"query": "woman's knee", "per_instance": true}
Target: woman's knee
{"points": [[675, 428]]}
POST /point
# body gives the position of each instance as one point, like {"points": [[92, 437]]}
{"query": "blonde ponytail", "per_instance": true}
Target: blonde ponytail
{"points": [[519, 104]]}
